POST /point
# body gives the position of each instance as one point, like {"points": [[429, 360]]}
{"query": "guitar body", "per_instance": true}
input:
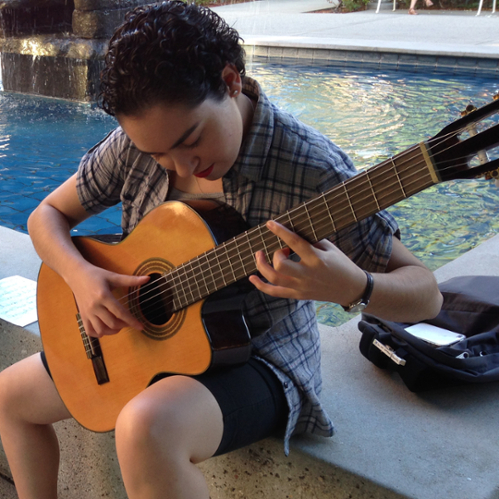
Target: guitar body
{"points": [[208, 334]]}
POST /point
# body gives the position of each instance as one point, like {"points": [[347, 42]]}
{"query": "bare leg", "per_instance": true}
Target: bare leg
{"points": [[412, 6], [29, 403], [162, 434]]}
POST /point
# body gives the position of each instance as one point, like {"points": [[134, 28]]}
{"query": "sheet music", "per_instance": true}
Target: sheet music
{"points": [[18, 300]]}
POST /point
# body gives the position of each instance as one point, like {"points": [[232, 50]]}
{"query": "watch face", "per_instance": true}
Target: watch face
{"points": [[357, 308]]}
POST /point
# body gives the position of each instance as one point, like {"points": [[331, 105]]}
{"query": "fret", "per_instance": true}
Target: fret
{"points": [[310, 223], [349, 202], [203, 285], [251, 252], [220, 269], [231, 254], [264, 244], [178, 288], [361, 196], [199, 280], [184, 299], [290, 221], [190, 278], [386, 189], [398, 178], [209, 279], [241, 260], [329, 212], [372, 190], [195, 279]]}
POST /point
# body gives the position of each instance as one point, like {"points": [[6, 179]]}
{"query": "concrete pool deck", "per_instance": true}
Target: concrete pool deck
{"points": [[293, 23], [389, 443]]}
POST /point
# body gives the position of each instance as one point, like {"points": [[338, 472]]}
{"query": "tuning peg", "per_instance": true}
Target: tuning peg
{"points": [[496, 96], [472, 129], [494, 174], [469, 109]]}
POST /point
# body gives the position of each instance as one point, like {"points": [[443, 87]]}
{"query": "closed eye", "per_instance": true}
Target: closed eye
{"points": [[193, 145]]}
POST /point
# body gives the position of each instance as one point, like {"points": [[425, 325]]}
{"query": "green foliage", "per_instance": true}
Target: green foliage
{"points": [[354, 5], [349, 5]]}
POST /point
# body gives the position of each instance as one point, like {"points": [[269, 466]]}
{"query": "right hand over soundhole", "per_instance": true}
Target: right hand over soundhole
{"points": [[102, 314]]}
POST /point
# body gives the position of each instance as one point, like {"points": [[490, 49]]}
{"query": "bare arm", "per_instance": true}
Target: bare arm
{"points": [[49, 227], [407, 291]]}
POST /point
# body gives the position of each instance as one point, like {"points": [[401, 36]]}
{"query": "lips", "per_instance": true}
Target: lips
{"points": [[204, 173]]}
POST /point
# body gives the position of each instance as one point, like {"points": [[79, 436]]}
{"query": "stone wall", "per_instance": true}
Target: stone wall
{"points": [[55, 48]]}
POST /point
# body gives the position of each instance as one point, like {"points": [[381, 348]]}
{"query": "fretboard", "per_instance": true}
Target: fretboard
{"points": [[345, 204]]}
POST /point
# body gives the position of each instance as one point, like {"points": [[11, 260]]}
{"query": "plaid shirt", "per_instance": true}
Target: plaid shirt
{"points": [[282, 162]]}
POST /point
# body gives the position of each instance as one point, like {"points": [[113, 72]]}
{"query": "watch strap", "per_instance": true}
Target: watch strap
{"points": [[364, 301]]}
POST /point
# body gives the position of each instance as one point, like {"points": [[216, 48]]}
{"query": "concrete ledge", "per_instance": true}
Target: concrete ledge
{"points": [[389, 442]]}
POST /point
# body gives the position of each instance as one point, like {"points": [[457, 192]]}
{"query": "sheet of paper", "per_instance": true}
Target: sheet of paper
{"points": [[18, 300]]}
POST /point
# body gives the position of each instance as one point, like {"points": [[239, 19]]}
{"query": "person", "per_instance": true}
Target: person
{"points": [[412, 6], [192, 125]]}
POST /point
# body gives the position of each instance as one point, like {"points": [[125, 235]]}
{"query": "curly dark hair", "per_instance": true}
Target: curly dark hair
{"points": [[171, 52]]}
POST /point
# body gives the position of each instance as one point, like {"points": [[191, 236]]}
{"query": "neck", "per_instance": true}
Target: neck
{"points": [[247, 108]]}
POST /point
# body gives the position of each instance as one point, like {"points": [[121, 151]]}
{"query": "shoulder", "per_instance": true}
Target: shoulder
{"points": [[310, 151]]}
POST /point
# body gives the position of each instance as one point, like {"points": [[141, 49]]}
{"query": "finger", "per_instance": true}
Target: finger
{"points": [[269, 272], [118, 317], [95, 328], [296, 243], [271, 289], [124, 281]]}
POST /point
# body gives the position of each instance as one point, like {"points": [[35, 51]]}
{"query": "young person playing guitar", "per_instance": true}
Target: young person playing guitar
{"points": [[192, 125]]}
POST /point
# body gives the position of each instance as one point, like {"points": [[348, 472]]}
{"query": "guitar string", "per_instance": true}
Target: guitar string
{"points": [[182, 269], [189, 274], [369, 177], [275, 243]]}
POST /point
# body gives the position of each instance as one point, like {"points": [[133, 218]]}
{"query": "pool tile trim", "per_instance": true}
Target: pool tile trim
{"points": [[479, 64]]}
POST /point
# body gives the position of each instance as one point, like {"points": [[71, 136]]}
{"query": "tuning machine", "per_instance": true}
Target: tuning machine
{"points": [[493, 175], [472, 130]]}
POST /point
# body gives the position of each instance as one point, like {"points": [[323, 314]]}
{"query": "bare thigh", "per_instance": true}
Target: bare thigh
{"points": [[177, 413], [28, 393]]}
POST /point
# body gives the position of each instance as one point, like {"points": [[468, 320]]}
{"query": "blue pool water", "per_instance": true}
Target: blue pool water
{"points": [[372, 114]]}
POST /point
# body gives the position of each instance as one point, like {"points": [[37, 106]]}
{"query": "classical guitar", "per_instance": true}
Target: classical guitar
{"points": [[191, 306]]}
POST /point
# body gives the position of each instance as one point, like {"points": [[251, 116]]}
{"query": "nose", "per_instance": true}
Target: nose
{"points": [[185, 164]]}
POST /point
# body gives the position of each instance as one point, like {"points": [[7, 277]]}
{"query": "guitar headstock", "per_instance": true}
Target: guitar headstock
{"points": [[464, 148]]}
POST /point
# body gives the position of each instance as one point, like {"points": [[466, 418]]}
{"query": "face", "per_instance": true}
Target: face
{"points": [[203, 141]]}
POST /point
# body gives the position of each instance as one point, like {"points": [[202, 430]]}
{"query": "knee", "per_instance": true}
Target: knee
{"points": [[145, 423]]}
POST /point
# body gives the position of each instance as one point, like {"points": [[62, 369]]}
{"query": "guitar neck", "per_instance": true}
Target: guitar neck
{"points": [[354, 200]]}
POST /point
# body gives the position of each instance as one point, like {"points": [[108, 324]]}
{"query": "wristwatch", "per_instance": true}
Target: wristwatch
{"points": [[359, 305]]}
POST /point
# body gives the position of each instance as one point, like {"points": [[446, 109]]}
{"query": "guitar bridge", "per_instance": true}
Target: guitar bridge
{"points": [[94, 353]]}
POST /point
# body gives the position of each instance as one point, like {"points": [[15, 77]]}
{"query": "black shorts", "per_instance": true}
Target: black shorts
{"points": [[252, 401]]}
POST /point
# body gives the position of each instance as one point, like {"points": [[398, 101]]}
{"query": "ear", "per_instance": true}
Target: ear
{"points": [[232, 79]]}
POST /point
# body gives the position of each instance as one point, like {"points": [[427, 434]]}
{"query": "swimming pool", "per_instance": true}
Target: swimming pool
{"points": [[372, 114]]}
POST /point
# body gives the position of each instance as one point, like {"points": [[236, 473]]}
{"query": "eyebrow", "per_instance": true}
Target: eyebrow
{"points": [[178, 142]]}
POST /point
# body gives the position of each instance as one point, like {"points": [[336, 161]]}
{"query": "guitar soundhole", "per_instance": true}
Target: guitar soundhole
{"points": [[155, 300], [152, 303]]}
